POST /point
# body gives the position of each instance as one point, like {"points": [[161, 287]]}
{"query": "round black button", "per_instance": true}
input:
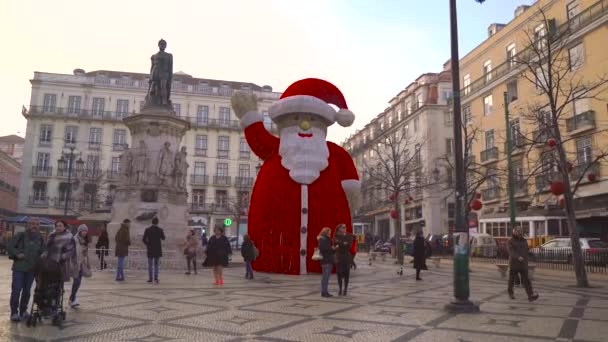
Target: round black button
{"points": [[302, 252], [304, 211], [303, 230]]}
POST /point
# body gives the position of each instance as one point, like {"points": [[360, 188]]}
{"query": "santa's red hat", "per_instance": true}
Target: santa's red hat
{"points": [[312, 95]]}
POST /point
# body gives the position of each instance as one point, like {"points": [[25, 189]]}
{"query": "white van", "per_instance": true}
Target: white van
{"points": [[482, 245]]}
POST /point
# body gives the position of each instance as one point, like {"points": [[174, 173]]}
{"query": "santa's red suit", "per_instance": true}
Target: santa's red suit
{"points": [[286, 217]]}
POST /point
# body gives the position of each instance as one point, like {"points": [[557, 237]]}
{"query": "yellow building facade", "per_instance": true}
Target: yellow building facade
{"points": [[579, 31]]}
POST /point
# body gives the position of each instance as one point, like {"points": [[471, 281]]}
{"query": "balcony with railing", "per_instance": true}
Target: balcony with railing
{"points": [[38, 201], [91, 173], [119, 146], [42, 171], [581, 123], [94, 145], [199, 179], [583, 170], [201, 207], [59, 203], [243, 182], [222, 180], [520, 187], [79, 113], [517, 144], [491, 193], [489, 155], [201, 152], [569, 28], [544, 180], [112, 175]]}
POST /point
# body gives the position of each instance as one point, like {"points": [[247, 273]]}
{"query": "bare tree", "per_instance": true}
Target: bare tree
{"points": [[97, 190], [238, 207], [395, 169], [551, 64]]}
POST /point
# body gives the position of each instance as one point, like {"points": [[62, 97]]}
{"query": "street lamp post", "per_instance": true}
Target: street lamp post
{"points": [[461, 302], [70, 168]]}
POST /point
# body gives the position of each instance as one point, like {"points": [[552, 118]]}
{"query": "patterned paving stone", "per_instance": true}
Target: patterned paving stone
{"points": [[301, 307], [597, 314], [459, 336], [591, 331], [159, 310], [518, 325], [396, 315], [156, 333], [527, 309]]}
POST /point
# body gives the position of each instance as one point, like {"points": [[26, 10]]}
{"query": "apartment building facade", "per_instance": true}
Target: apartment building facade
{"points": [[420, 113], [74, 122], [12, 145], [578, 29]]}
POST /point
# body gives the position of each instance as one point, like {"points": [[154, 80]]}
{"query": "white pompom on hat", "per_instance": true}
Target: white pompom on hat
{"points": [[314, 96]]}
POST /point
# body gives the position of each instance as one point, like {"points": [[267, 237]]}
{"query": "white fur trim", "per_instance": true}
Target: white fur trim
{"points": [[250, 118], [302, 104], [345, 117], [303, 223], [351, 185]]}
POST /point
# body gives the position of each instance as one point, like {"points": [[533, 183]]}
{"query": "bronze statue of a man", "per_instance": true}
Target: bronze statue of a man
{"points": [[161, 74]]}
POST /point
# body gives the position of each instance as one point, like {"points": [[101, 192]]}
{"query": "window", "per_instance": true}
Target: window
{"points": [[44, 161], [94, 137], [46, 134], [74, 104], [198, 198], [202, 115], [122, 108], [119, 139], [92, 164], [539, 36], [466, 114], [511, 55], [244, 151], [223, 146], [244, 170], [416, 122], [221, 199], [417, 157], [71, 135], [466, 84], [518, 172], [449, 172], [572, 9], [99, 104], [419, 101], [449, 146], [516, 137], [399, 114], [576, 56], [451, 210], [222, 169], [39, 191], [580, 105], [115, 166], [487, 70], [584, 151], [446, 94], [141, 105], [490, 138], [488, 106], [200, 168], [177, 108], [491, 178], [512, 91], [408, 108], [224, 116], [200, 145], [50, 103], [243, 199], [267, 120], [448, 118]]}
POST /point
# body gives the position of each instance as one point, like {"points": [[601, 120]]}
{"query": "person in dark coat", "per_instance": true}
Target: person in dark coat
{"points": [[102, 246], [218, 250], [327, 263], [153, 237], [248, 253], [123, 241], [518, 264], [420, 254], [343, 243]]}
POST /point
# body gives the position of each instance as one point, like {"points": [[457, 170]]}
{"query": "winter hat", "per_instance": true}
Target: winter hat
{"points": [[313, 95], [83, 228]]}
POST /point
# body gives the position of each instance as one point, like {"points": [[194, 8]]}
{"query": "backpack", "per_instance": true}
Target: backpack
{"points": [[21, 241]]}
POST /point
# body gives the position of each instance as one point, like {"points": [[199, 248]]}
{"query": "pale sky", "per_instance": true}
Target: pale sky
{"points": [[370, 49]]}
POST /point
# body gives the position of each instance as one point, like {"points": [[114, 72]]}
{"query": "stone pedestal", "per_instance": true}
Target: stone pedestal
{"points": [[144, 195]]}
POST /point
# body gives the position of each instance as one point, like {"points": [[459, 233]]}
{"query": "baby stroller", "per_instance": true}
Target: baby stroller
{"points": [[48, 295]]}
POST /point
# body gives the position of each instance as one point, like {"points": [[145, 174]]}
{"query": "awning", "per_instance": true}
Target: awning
{"points": [[101, 217], [26, 218]]}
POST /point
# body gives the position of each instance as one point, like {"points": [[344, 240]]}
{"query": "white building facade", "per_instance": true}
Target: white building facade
{"points": [[421, 112], [81, 114]]}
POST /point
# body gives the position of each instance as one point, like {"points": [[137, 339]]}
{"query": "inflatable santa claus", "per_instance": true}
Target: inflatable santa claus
{"points": [[305, 182]]}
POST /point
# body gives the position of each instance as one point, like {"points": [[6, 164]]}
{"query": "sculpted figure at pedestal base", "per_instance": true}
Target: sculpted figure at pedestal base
{"points": [[140, 163], [126, 166], [165, 165], [181, 168]]}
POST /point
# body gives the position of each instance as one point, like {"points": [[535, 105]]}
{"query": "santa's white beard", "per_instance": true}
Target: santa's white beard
{"points": [[304, 157]]}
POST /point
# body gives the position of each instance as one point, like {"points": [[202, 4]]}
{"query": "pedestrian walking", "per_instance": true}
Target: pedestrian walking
{"points": [[218, 250], [248, 251], [369, 241], [123, 241], [518, 264], [24, 249], [190, 246], [101, 248], [420, 254], [343, 244], [61, 248], [83, 268], [153, 238], [327, 261]]}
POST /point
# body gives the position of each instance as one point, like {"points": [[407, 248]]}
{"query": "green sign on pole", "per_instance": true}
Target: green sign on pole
{"points": [[227, 221]]}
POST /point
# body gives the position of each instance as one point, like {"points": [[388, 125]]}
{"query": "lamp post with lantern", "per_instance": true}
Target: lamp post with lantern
{"points": [[70, 167]]}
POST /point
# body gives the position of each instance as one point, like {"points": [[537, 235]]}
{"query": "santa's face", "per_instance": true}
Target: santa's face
{"points": [[302, 146]]}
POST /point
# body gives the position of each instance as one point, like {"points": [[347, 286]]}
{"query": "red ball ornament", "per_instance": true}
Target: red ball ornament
{"points": [[557, 188], [406, 202], [591, 177], [394, 214], [392, 197], [478, 195], [476, 204], [551, 142], [410, 198]]}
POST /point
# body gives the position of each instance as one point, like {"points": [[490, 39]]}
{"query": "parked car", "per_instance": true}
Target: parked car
{"points": [[483, 245], [595, 251]]}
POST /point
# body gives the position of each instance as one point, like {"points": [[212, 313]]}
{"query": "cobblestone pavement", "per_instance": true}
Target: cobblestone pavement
{"points": [[381, 306]]}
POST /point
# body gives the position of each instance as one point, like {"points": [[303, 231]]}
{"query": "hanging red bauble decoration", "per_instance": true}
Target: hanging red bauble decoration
{"points": [[478, 195], [406, 202], [476, 204], [591, 177], [557, 188], [394, 214], [569, 167], [410, 198], [392, 197], [551, 142]]}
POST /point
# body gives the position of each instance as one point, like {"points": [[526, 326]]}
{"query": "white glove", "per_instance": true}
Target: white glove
{"points": [[243, 102]]}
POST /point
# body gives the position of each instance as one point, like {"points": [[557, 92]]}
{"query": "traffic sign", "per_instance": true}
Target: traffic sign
{"points": [[227, 221]]}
